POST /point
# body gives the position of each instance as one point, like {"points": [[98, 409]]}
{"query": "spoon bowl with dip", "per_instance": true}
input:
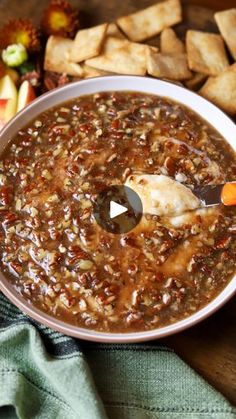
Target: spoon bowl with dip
{"points": [[164, 196]]}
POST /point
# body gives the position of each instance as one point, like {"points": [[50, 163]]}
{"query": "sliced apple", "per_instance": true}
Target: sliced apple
{"points": [[3, 111], [13, 74], [8, 92], [25, 96], [4, 70]]}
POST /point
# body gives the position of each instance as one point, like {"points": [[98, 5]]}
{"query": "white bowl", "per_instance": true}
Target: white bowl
{"points": [[222, 123]]}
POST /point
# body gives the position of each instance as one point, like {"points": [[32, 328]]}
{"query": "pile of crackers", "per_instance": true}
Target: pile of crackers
{"points": [[205, 62]]}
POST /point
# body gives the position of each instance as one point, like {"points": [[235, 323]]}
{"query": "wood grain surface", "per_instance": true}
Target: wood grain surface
{"points": [[210, 347]]}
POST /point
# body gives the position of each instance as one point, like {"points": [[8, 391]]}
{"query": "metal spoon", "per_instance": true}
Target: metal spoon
{"points": [[164, 196], [217, 194]]}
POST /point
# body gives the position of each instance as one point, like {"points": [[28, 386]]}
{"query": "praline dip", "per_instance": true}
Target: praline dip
{"points": [[60, 260]]}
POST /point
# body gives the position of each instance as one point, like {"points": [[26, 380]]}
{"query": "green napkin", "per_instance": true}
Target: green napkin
{"points": [[45, 375]]}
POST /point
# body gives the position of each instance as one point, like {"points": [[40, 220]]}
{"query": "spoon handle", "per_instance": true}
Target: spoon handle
{"points": [[228, 194]]}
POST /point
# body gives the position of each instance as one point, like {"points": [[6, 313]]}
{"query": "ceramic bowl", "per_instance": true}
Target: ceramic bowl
{"points": [[222, 123]]}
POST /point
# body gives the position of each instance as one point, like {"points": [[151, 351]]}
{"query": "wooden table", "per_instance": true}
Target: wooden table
{"points": [[210, 347]]}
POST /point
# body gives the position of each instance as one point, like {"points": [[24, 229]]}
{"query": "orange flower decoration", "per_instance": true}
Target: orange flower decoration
{"points": [[60, 19], [20, 31]]}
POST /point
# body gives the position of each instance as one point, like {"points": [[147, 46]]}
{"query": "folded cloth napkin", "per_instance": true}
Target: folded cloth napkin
{"points": [[45, 375]]}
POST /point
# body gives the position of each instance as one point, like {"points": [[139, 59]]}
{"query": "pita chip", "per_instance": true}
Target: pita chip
{"points": [[170, 43], [168, 66], [151, 21], [93, 72], [113, 30], [88, 43], [221, 90], [206, 52], [57, 57], [196, 81], [226, 21], [121, 56]]}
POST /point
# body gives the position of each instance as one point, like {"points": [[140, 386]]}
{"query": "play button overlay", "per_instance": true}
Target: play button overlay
{"points": [[118, 209]]}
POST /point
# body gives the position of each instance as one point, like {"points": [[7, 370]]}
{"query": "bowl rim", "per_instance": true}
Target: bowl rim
{"points": [[90, 334]]}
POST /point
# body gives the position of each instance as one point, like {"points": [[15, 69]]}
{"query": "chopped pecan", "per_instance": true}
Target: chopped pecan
{"points": [[223, 242]]}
